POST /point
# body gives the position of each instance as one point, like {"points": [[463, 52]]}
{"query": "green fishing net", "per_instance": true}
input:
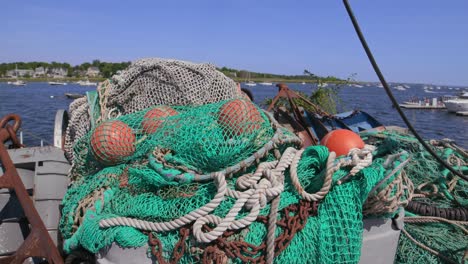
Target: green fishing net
{"points": [[434, 186], [150, 155]]}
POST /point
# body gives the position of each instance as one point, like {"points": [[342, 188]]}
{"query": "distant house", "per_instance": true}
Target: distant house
{"points": [[20, 73], [93, 72], [57, 72], [79, 73], [40, 72], [10, 73]]}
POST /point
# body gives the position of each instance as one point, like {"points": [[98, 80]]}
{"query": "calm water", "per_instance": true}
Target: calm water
{"points": [[34, 104]]}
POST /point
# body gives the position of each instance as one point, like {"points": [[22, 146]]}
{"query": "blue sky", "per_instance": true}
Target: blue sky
{"points": [[412, 40]]}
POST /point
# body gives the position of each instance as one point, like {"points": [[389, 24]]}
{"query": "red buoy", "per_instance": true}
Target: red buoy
{"points": [[112, 141], [341, 141], [240, 116], [155, 117]]}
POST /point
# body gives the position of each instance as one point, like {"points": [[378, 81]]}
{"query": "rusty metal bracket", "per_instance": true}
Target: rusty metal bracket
{"points": [[285, 92], [38, 243]]}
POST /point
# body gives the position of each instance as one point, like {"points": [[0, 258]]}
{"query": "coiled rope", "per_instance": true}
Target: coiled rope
{"points": [[267, 183]]}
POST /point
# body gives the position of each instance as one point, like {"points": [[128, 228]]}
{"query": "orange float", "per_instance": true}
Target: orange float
{"points": [[155, 117], [341, 141], [239, 116], [112, 141]]}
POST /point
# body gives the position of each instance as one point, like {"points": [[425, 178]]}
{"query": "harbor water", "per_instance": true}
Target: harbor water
{"points": [[37, 104]]}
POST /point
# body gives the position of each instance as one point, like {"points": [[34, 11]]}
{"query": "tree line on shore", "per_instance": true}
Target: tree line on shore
{"points": [[244, 75], [107, 69]]}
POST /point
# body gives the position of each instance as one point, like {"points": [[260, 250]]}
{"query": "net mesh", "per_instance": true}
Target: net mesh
{"points": [[157, 129], [147, 83]]}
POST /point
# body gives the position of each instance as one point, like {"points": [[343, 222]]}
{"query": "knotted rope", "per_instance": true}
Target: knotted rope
{"points": [[360, 159]]}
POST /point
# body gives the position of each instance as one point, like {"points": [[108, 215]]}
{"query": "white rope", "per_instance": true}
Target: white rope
{"points": [[265, 184], [260, 191], [220, 180], [256, 198], [319, 195], [359, 159]]}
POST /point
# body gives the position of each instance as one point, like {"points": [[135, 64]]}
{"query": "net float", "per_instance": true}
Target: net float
{"points": [[112, 142], [341, 141], [240, 116], [154, 118]]}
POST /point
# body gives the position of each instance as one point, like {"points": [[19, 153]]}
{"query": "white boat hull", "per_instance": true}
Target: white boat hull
{"points": [[454, 106]]}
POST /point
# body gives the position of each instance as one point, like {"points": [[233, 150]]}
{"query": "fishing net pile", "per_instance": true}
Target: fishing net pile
{"points": [[436, 219], [172, 156]]}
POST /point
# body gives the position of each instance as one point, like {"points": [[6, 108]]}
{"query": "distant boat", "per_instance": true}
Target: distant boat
{"points": [[18, 83], [427, 91], [74, 95], [57, 83], [459, 104], [399, 88], [303, 83], [250, 83], [406, 86], [86, 83], [357, 85], [266, 83]]}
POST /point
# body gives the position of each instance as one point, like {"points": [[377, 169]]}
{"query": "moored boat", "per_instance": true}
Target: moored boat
{"points": [[57, 83], [18, 83], [74, 95], [459, 104]]}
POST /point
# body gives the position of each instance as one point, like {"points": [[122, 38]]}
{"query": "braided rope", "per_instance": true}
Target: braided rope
{"points": [[259, 191], [360, 159], [174, 224], [254, 199], [228, 221], [320, 194], [287, 159], [253, 196], [396, 194]]}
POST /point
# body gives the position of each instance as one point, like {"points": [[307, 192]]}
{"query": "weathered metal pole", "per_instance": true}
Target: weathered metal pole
{"points": [[38, 243]]}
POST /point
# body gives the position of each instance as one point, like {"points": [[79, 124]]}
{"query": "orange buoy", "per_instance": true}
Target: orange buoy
{"points": [[155, 117], [341, 141], [112, 141], [239, 116]]}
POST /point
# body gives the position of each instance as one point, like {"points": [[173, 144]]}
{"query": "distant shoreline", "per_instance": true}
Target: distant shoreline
{"points": [[100, 79], [68, 79]]}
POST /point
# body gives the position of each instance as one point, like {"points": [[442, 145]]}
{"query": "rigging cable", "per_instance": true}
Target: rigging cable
{"points": [[390, 94]]}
